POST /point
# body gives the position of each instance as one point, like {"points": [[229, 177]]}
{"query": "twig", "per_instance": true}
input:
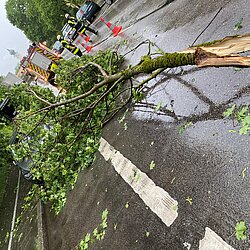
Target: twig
{"points": [[156, 73], [38, 97], [121, 107], [93, 105], [137, 46], [118, 109], [104, 73], [82, 129], [38, 123]]}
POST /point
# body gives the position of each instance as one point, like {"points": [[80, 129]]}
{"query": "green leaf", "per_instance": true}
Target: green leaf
{"points": [[95, 232], [241, 230], [125, 126], [175, 207], [244, 130], [189, 200], [105, 214], [152, 165], [184, 127], [237, 69], [229, 111], [241, 114], [158, 107], [87, 237], [127, 205], [138, 95], [137, 177], [238, 25], [243, 172]]}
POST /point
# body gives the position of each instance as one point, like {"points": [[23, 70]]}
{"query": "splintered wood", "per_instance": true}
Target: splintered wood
{"points": [[222, 53]]}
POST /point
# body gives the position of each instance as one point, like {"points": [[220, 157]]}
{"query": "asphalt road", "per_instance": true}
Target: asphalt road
{"points": [[200, 169]]}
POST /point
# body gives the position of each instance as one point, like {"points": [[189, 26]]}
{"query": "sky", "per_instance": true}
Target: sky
{"points": [[11, 38]]}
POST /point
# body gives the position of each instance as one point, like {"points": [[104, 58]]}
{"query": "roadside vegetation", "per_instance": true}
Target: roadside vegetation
{"points": [[6, 159]]}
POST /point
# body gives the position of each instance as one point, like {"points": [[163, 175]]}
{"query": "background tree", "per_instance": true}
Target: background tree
{"points": [[39, 20]]}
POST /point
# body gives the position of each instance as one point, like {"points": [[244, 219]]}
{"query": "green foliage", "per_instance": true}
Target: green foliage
{"points": [[241, 230], [158, 107], [189, 200], [184, 127], [243, 173], [138, 95], [74, 3], [39, 20], [5, 135], [241, 115], [6, 159], [229, 111], [238, 25], [152, 165], [70, 139], [98, 233], [127, 205]]}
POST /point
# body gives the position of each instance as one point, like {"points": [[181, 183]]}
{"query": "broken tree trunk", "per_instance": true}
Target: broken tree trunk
{"points": [[223, 52]]}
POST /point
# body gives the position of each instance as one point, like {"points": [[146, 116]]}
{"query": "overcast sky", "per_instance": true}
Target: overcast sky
{"points": [[11, 38]]}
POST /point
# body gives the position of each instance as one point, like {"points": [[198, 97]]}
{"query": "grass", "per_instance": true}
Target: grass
{"points": [[5, 160], [4, 169]]}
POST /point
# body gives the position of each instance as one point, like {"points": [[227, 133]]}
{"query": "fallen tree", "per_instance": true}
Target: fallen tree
{"points": [[95, 91]]}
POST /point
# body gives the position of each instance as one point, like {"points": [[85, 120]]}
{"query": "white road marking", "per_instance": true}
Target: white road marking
{"points": [[14, 212], [156, 198], [40, 235], [212, 241]]}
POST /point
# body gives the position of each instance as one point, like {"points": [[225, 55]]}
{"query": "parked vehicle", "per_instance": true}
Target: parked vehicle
{"points": [[109, 2], [7, 110], [88, 12], [26, 163]]}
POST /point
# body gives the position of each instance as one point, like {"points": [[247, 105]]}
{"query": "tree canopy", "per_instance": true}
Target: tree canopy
{"points": [[39, 20]]}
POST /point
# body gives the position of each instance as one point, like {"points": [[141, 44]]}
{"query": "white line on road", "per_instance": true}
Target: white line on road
{"points": [[212, 241], [14, 213], [156, 198], [40, 235]]}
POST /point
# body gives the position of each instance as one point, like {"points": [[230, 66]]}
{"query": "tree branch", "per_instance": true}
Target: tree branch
{"points": [[38, 97], [105, 75]]}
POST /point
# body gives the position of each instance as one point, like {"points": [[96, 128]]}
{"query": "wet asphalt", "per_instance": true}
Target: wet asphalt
{"points": [[25, 233], [204, 163]]}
